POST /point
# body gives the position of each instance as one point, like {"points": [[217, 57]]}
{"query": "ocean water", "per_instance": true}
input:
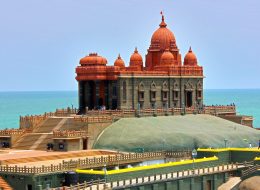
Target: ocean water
{"points": [[14, 104]]}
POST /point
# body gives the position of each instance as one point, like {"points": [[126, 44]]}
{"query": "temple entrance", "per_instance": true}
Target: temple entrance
{"points": [[114, 104], [188, 96], [100, 102], [29, 187]]}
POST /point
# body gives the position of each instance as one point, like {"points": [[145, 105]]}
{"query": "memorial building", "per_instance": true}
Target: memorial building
{"points": [[160, 80]]}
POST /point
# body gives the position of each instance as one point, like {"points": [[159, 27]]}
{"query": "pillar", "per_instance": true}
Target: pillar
{"points": [[155, 187], [107, 94], [192, 186], [180, 185], [97, 85], [81, 96], [215, 182], [203, 183], [169, 186]]}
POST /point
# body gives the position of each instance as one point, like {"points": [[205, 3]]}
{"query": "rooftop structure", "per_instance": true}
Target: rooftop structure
{"points": [[161, 80]]}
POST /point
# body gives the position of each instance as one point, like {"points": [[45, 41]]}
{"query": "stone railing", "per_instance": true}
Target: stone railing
{"points": [[66, 112], [31, 121], [128, 183], [92, 119], [252, 169], [69, 133], [119, 158], [215, 110], [99, 116], [10, 132]]}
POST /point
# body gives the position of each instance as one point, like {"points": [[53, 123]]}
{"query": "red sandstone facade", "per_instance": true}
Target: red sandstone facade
{"points": [[120, 86]]}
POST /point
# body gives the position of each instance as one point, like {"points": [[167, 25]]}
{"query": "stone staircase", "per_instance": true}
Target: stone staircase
{"points": [[43, 133], [41, 136]]}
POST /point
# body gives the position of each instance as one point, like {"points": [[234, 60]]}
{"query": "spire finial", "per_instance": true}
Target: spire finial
{"points": [[190, 50], [136, 51], [163, 24], [119, 57]]}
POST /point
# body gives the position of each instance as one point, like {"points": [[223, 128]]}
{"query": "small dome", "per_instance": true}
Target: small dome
{"points": [[163, 37], [119, 62], [167, 58], [93, 59], [136, 59], [190, 59]]}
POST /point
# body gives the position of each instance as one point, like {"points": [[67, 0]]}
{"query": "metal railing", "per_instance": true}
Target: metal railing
{"points": [[154, 178], [95, 162]]}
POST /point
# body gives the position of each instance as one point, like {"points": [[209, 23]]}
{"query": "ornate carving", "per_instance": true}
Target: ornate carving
{"points": [[188, 86], [141, 87], [153, 86]]}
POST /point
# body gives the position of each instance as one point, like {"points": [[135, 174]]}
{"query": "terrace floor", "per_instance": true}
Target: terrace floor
{"points": [[38, 158]]}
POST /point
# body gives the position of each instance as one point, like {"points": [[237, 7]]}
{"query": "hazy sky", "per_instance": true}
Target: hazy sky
{"points": [[41, 41]]}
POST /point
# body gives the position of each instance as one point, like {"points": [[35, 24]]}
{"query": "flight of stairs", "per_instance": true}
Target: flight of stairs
{"points": [[41, 136]]}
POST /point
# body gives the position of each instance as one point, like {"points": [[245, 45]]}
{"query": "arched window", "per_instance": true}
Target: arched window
{"points": [[124, 91]]}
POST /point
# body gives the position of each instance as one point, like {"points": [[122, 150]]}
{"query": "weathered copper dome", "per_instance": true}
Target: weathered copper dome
{"points": [[93, 59], [167, 58], [190, 59], [163, 38], [119, 62]]}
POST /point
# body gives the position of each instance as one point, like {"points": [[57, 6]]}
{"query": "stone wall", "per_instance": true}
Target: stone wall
{"points": [[169, 86], [240, 119]]}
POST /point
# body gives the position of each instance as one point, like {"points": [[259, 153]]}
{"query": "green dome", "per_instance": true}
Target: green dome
{"points": [[175, 133]]}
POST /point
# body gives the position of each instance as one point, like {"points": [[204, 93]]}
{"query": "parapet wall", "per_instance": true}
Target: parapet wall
{"points": [[240, 119]]}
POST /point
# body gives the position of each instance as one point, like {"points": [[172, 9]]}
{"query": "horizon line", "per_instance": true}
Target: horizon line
{"points": [[77, 90]]}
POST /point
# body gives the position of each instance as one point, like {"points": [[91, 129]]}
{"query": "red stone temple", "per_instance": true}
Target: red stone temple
{"points": [[163, 81]]}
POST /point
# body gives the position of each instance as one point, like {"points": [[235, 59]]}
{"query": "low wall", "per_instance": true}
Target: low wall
{"points": [[240, 119], [128, 173], [25, 182], [231, 155]]}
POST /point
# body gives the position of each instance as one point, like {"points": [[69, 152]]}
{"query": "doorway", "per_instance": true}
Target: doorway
{"points": [[188, 97], [208, 185], [29, 187], [85, 144], [100, 102], [114, 104]]}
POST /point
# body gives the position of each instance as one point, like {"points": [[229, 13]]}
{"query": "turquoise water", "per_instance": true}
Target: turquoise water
{"points": [[14, 104]]}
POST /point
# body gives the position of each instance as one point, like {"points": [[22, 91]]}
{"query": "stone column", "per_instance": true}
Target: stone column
{"points": [[192, 186], [107, 94], [97, 93], [133, 92], [81, 96]]}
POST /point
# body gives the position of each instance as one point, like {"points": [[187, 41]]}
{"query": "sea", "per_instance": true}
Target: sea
{"points": [[15, 104]]}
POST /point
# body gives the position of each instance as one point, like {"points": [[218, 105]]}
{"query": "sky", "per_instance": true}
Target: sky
{"points": [[42, 41]]}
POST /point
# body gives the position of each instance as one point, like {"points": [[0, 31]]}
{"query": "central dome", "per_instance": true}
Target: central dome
{"points": [[163, 38], [167, 58]]}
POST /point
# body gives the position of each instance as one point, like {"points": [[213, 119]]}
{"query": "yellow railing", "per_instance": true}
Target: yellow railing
{"points": [[141, 168], [228, 149]]}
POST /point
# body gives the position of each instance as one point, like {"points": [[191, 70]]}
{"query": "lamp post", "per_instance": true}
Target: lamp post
{"points": [[167, 108], [225, 141], [163, 144], [183, 108], [105, 173], [138, 110], [194, 155]]}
